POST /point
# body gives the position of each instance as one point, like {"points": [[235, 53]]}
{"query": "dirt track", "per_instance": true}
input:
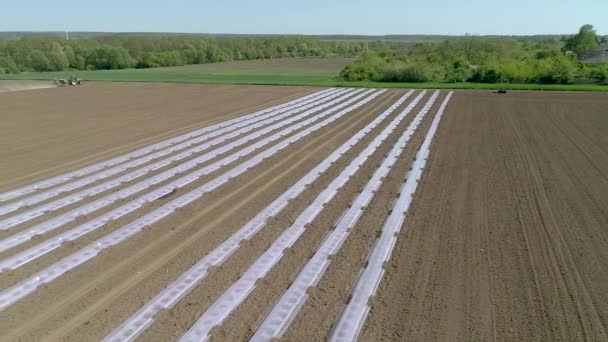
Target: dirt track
{"points": [[505, 239], [6, 86]]}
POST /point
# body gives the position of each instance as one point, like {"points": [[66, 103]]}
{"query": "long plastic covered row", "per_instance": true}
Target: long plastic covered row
{"points": [[71, 199], [290, 303], [143, 318], [238, 291], [47, 246], [5, 196], [20, 290], [233, 131], [352, 318]]}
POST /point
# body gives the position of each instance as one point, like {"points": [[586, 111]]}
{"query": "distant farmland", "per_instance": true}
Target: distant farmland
{"points": [[284, 71], [321, 72]]}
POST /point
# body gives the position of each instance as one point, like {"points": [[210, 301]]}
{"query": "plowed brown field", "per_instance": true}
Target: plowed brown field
{"points": [[508, 236], [505, 239], [51, 131], [6, 86]]}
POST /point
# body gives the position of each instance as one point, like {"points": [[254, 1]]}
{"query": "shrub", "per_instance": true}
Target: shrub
{"points": [[491, 75], [359, 72], [557, 70], [407, 72], [392, 72], [587, 71], [486, 74], [543, 54], [367, 68], [516, 72], [603, 74], [458, 71]]}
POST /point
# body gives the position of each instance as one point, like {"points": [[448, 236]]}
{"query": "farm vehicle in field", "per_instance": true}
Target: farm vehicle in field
{"points": [[72, 80]]}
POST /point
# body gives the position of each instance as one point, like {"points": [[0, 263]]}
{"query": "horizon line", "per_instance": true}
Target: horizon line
{"points": [[296, 34]]}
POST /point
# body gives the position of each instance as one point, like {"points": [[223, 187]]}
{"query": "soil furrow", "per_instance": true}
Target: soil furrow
{"points": [[103, 132], [505, 239], [243, 321], [325, 300], [230, 133], [85, 218], [228, 201], [72, 246], [530, 264]]}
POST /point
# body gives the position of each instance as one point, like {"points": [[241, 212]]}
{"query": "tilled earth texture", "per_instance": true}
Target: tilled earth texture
{"points": [[159, 212], [6, 86]]}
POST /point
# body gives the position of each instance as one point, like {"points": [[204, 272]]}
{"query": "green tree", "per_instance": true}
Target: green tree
{"points": [[603, 73], [79, 62], [110, 57], [512, 71], [161, 59], [108, 52], [38, 61], [57, 57], [585, 40], [71, 55], [214, 54], [8, 65], [148, 60], [458, 71]]}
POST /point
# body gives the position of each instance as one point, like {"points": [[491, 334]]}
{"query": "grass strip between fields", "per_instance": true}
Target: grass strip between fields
{"points": [[263, 76]]}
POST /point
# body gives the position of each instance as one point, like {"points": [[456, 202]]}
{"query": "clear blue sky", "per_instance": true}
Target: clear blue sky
{"points": [[307, 16]]}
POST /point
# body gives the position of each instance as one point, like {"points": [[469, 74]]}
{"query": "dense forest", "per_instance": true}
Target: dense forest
{"points": [[486, 60], [120, 52]]}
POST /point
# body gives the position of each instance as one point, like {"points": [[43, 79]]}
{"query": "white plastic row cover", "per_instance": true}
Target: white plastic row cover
{"points": [[238, 291], [352, 318], [5, 196], [290, 303], [45, 247], [62, 202], [244, 125], [137, 323], [20, 290]]}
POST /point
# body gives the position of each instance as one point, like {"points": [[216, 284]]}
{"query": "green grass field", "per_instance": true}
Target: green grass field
{"points": [[296, 71]]}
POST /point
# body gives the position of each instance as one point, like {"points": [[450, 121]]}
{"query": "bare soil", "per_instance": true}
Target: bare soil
{"points": [[6, 86], [51, 131], [505, 240]]}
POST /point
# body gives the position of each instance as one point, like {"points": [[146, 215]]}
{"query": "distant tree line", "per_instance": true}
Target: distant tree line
{"points": [[120, 52], [484, 60]]}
